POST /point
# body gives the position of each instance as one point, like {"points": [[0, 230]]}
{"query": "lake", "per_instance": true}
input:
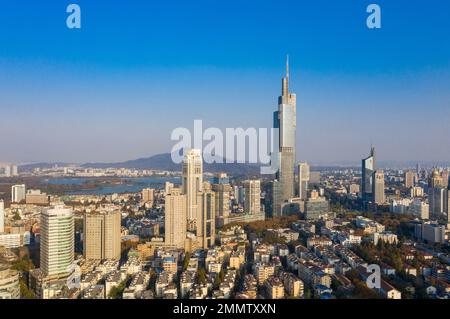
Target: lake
{"points": [[130, 184]]}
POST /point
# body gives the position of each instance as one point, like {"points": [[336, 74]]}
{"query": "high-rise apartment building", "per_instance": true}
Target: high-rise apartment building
{"points": [[252, 197], [18, 193], [206, 223], [378, 187], [148, 195], [367, 169], [2, 216], [221, 186], [192, 183], [410, 179], [303, 180], [285, 120], [175, 219], [57, 241], [102, 235]]}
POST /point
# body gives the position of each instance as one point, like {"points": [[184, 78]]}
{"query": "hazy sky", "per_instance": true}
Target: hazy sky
{"points": [[136, 70]]}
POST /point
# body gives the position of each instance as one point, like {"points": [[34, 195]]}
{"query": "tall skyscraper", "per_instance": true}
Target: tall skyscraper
{"points": [[192, 183], [206, 223], [447, 209], [252, 197], [101, 235], [57, 240], [221, 186], [303, 180], [378, 187], [175, 219], [367, 169], [436, 195], [285, 120], [2, 216], [18, 193]]}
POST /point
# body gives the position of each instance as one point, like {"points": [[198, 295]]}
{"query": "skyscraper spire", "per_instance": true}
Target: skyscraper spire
{"points": [[287, 66], [285, 80]]}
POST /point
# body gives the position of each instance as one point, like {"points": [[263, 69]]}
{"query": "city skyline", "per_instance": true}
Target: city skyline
{"points": [[390, 84]]}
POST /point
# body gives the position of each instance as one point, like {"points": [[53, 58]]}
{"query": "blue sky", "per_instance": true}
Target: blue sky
{"points": [[136, 70]]}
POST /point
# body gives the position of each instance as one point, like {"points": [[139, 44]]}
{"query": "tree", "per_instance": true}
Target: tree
{"points": [[187, 257], [25, 292], [202, 275], [116, 292]]}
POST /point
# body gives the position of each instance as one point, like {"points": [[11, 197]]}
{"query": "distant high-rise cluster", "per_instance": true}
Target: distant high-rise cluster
{"points": [[9, 170]]}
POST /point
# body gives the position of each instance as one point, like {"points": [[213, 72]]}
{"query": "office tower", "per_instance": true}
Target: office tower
{"points": [[175, 219], [57, 241], [206, 223], [378, 187], [436, 195], [418, 169], [285, 120], [102, 235], [14, 170], [148, 195], [2, 216], [192, 183], [316, 206], [303, 180], [367, 169], [410, 178], [252, 197], [221, 186], [18, 193]]}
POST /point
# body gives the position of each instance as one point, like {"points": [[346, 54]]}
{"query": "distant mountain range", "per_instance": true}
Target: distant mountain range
{"points": [[164, 162], [161, 162]]}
